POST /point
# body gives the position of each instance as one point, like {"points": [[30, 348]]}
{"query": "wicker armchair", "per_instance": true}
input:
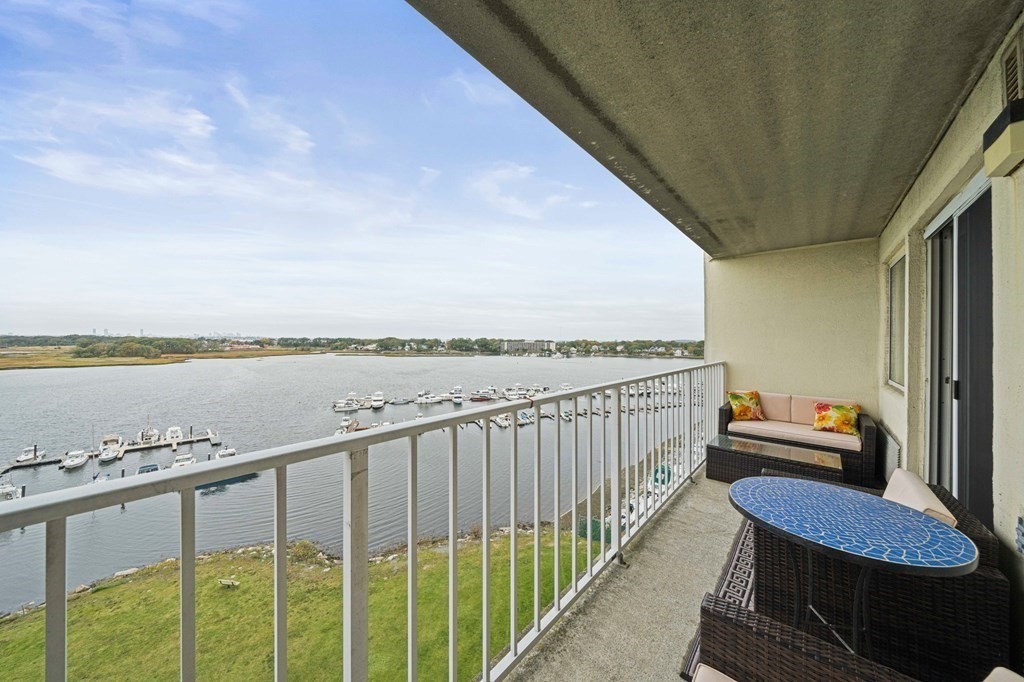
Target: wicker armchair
{"points": [[933, 629], [858, 467], [752, 647]]}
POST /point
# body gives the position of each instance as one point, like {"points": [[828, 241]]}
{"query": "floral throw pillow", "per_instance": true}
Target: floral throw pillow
{"points": [[746, 406], [836, 418]]}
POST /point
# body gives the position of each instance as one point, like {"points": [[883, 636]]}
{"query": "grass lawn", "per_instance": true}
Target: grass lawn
{"points": [[128, 627], [48, 357]]}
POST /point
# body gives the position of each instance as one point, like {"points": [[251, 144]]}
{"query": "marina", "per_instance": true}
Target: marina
{"points": [[255, 405]]}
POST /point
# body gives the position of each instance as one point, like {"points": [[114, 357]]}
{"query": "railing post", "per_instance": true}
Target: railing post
{"points": [[513, 522], [453, 555], [355, 573], [557, 503], [56, 600], [485, 562], [616, 474], [412, 554], [536, 519], [281, 575], [188, 584]]}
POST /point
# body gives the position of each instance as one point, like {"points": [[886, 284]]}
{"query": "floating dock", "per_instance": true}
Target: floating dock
{"points": [[207, 436], [29, 465]]}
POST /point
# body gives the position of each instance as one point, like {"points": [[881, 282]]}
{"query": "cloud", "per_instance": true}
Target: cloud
{"points": [[491, 186], [262, 118], [428, 175], [481, 89]]}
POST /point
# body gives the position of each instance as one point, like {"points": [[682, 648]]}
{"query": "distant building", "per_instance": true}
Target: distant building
{"points": [[513, 347]]}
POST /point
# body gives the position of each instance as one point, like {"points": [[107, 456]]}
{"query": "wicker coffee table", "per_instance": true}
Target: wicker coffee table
{"points": [[730, 459]]}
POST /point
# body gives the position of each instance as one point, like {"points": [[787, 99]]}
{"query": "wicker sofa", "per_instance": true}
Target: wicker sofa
{"points": [[789, 420], [932, 629]]}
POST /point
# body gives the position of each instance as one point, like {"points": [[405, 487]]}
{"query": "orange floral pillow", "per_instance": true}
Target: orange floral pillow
{"points": [[836, 418], [746, 406]]}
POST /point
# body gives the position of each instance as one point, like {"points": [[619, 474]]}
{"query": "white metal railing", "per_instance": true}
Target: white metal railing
{"points": [[659, 425]]}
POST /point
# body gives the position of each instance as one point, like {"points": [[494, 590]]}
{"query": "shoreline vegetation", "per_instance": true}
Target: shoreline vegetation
{"points": [[49, 352], [102, 638]]}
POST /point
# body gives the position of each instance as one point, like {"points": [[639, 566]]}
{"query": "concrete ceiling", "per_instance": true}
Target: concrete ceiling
{"points": [[751, 126]]}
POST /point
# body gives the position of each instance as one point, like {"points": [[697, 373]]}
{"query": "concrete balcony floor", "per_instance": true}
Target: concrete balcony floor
{"points": [[635, 622]]}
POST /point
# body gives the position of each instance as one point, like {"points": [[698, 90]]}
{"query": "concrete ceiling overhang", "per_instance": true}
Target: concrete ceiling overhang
{"points": [[751, 126]]}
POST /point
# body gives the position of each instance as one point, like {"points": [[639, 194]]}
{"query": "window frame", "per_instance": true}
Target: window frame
{"points": [[899, 262]]}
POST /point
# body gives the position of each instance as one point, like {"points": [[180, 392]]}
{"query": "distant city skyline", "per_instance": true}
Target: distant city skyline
{"points": [[331, 169]]}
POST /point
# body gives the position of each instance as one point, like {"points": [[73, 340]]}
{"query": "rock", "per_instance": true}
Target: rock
{"points": [[126, 572], [393, 557], [327, 569], [201, 557], [240, 550], [82, 588]]}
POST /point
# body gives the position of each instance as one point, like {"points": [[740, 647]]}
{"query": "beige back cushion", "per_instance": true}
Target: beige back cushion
{"points": [[908, 489], [776, 406], [802, 411]]}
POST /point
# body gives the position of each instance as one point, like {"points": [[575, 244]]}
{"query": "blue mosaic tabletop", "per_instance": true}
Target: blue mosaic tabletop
{"points": [[865, 528]]}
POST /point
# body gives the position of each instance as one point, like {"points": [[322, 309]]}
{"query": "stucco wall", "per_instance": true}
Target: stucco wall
{"points": [[956, 159], [802, 321]]}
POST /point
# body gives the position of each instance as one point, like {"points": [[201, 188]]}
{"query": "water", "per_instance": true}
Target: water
{"points": [[256, 404]]}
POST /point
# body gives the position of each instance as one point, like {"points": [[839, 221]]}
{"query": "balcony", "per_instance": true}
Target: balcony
{"points": [[651, 429]]}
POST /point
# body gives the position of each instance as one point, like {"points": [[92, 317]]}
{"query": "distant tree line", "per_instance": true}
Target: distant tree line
{"points": [[91, 346]]}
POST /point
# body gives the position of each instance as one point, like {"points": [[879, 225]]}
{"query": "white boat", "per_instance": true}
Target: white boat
{"points": [[419, 415], [399, 401], [366, 402], [8, 491], [427, 398], [112, 440], [511, 393], [501, 421], [566, 415], [456, 399], [30, 454], [349, 404], [75, 459], [377, 401], [100, 478], [183, 461], [564, 387], [174, 434], [148, 436], [108, 454], [226, 452]]}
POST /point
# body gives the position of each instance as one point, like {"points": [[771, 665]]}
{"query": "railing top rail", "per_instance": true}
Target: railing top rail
{"points": [[82, 499]]}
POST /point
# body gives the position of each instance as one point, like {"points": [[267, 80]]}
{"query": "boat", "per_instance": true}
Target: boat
{"points": [[366, 402], [112, 440], [174, 434], [456, 399], [377, 401], [511, 393], [147, 468], [457, 396], [8, 491], [74, 459], [564, 387], [349, 404], [100, 478], [148, 436], [108, 454], [399, 401], [183, 461], [30, 454], [501, 421], [419, 415], [528, 416], [426, 398], [566, 415], [480, 396], [225, 453]]}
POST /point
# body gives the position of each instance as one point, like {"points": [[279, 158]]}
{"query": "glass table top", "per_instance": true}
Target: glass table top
{"points": [[793, 453]]}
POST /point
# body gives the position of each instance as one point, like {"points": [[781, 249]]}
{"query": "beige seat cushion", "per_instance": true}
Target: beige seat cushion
{"points": [[705, 673], [1002, 675], [776, 406], [908, 489], [802, 410], [798, 433]]}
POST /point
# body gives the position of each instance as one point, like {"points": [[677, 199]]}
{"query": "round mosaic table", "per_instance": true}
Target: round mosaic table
{"points": [[857, 527]]}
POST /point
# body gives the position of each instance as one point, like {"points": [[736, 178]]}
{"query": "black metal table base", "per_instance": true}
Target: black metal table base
{"points": [[860, 641]]}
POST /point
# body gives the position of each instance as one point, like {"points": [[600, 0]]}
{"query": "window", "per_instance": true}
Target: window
{"points": [[897, 321]]}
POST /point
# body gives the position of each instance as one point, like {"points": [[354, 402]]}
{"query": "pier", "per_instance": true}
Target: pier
{"points": [[28, 465], [207, 436]]}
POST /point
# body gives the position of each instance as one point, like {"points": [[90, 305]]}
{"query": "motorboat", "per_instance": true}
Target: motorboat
{"points": [[528, 416], [377, 401], [419, 415], [566, 415], [399, 401], [564, 387], [148, 436], [147, 468], [349, 404], [456, 399], [427, 398], [366, 402], [480, 396], [100, 478], [183, 460], [112, 440], [511, 393], [501, 421], [74, 459], [30, 454], [174, 434], [225, 453], [108, 454], [8, 491]]}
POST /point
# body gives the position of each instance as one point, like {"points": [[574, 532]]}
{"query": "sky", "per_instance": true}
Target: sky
{"points": [[305, 168]]}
